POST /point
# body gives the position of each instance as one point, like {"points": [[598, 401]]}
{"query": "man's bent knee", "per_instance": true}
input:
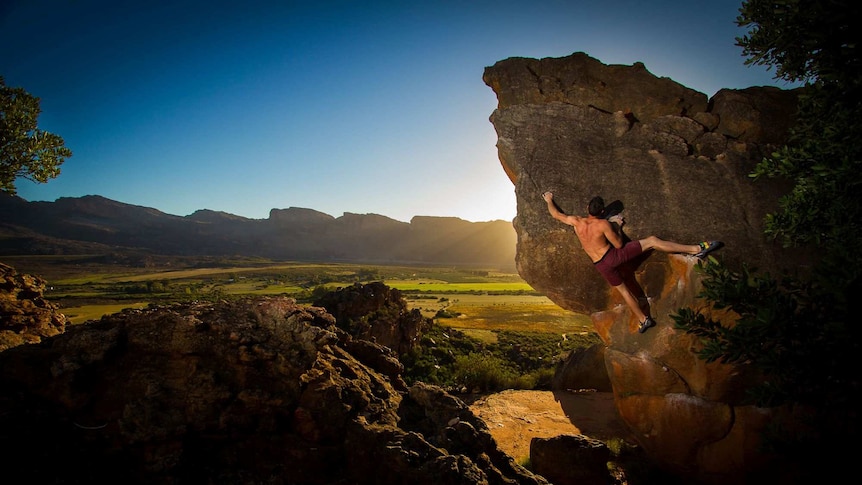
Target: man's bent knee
{"points": [[649, 242]]}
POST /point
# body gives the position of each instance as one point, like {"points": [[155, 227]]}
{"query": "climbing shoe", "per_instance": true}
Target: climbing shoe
{"points": [[644, 325], [707, 247]]}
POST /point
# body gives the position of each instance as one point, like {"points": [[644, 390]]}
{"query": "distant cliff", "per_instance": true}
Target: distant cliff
{"points": [[94, 223]]}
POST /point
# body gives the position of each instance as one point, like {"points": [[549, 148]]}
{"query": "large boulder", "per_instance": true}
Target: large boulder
{"points": [[677, 161], [582, 369], [376, 312], [693, 418], [259, 390], [680, 164], [571, 460]]}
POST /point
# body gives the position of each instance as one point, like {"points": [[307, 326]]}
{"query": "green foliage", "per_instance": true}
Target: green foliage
{"points": [[803, 39], [319, 292], [444, 313], [518, 360], [790, 330], [533, 351], [432, 360], [815, 42], [795, 329], [25, 150], [147, 287], [824, 162], [368, 274], [486, 372], [483, 372]]}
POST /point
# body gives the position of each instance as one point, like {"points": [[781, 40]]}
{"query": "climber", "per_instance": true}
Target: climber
{"points": [[607, 251]]}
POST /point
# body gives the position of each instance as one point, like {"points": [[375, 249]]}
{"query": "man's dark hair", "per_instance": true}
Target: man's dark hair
{"points": [[597, 206]]}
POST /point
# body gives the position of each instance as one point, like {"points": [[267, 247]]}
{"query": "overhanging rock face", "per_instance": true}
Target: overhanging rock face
{"points": [[680, 164], [678, 161]]}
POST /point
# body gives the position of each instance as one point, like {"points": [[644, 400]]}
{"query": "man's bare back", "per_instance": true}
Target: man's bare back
{"points": [[595, 233]]}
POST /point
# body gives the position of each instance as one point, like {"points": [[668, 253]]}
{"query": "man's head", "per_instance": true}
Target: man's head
{"points": [[596, 207]]}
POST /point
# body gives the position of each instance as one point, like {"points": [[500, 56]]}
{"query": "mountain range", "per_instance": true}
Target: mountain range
{"points": [[95, 224]]}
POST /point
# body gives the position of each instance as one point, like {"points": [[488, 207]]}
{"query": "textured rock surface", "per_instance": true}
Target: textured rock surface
{"points": [[693, 417], [582, 369], [680, 164], [357, 307], [253, 391], [571, 460], [25, 315]]}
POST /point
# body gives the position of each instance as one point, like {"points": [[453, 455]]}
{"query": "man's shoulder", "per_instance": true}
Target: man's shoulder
{"points": [[597, 221]]}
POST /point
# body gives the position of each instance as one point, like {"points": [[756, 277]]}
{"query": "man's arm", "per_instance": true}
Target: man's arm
{"points": [[556, 212]]}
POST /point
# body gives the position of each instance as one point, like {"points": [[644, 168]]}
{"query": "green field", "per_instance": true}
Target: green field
{"points": [[478, 300], [491, 330]]}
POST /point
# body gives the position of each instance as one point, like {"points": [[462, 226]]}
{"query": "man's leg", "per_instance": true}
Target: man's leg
{"points": [[653, 242], [631, 301]]}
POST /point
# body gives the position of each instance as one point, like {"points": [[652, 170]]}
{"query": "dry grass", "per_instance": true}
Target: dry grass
{"points": [[84, 313]]}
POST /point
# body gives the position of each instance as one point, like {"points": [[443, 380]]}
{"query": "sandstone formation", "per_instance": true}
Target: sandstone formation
{"points": [[570, 460], [253, 391], [679, 162], [25, 315], [583, 369], [378, 313]]}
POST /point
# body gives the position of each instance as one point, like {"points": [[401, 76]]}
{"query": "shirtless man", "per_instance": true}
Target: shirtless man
{"points": [[607, 251]]}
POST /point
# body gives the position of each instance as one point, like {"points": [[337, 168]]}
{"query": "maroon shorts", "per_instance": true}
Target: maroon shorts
{"points": [[609, 265]]}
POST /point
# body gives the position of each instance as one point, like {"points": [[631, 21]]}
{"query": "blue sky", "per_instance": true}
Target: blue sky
{"points": [[364, 107]]}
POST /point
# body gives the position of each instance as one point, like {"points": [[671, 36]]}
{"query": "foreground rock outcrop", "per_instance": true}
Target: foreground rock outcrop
{"points": [[253, 391], [25, 315], [378, 313], [679, 162]]}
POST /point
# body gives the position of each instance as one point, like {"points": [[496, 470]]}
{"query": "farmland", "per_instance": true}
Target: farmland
{"points": [[475, 300], [491, 330]]}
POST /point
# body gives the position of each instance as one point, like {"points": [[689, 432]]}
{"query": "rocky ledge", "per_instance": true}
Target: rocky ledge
{"points": [[251, 391], [25, 315]]}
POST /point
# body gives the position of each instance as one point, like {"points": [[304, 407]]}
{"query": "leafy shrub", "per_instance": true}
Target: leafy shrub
{"points": [[533, 351], [483, 372], [518, 360], [432, 360], [444, 313], [788, 329]]}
